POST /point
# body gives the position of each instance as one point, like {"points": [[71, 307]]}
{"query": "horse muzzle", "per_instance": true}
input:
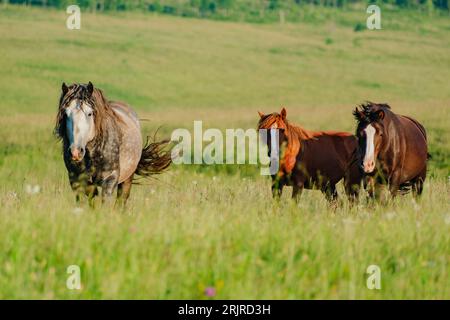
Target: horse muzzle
{"points": [[77, 153], [369, 166]]}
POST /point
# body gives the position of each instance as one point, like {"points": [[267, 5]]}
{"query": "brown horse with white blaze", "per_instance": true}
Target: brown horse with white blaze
{"points": [[393, 149], [313, 159]]}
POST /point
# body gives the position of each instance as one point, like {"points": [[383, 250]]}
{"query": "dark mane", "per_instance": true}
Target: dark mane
{"points": [[96, 99], [367, 112]]}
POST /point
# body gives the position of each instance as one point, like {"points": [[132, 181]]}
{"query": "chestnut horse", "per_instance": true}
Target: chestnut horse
{"points": [[393, 149], [313, 160]]}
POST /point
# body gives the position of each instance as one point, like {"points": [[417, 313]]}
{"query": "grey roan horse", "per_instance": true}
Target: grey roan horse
{"points": [[102, 143]]}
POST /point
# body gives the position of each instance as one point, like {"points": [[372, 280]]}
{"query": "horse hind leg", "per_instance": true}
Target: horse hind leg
{"points": [[352, 183], [417, 188], [123, 191], [297, 192], [417, 184], [331, 194]]}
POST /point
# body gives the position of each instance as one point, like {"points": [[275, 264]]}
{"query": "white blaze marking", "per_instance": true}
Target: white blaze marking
{"points": [[78, 124], [370, 148], [274, 126], [70, 128]]}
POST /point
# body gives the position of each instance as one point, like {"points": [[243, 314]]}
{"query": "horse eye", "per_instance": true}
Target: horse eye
{"points": [[89, 114]]}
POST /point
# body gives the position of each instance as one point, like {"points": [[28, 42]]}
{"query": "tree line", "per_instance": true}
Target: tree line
{"points": [[249, 10]]}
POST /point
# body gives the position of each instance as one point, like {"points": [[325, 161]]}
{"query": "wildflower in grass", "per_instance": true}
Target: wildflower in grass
{"points": [[11, 195], [415, 205], [77, 210], [447, 219], [364, 215], [348, 221], [210, 292], [431, 264], [390, 215], [32, 189]]}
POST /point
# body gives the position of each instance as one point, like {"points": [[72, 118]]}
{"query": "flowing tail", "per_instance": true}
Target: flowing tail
{"points": [[155, 158]]}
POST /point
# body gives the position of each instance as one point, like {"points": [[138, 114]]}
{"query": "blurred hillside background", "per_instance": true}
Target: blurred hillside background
{"points": [[239, 10]]}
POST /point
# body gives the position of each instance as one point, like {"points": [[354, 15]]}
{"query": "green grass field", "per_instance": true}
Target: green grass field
{"points": [[201, 226]]}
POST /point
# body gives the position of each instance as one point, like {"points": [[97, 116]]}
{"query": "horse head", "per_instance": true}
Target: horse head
{"points": [[371, 132], [289, 139], [76, 119], [274, 121]]}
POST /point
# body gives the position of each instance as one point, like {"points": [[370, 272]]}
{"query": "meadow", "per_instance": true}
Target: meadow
{"points": [[198, 227]]}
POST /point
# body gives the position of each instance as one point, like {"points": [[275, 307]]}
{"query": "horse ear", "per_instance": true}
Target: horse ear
{"points": [[380, 114], [90, 88], [283, 113], [359, 115], [64, 88], [261, 114]]}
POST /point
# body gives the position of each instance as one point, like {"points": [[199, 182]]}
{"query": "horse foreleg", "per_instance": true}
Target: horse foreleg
{"points": [[374, 188], [78, 189], [352, 191], [277, 188], [109, 184], [330, 194], [297, 192], [91, 191], [352, 183]]}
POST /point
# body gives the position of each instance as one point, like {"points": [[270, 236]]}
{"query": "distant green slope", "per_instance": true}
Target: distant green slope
{"points": [[159, 62]]}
